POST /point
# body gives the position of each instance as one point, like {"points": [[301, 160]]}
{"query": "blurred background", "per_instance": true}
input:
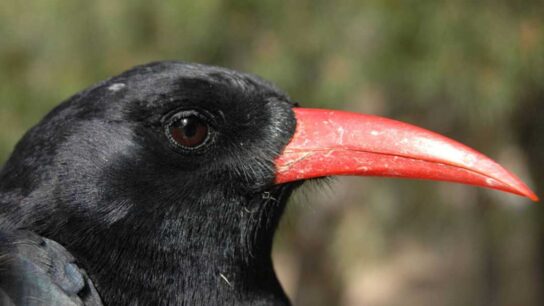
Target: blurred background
{"points": [[472, 70]]}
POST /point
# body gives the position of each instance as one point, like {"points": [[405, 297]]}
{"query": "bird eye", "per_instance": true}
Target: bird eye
{"points": [[189, 132]]}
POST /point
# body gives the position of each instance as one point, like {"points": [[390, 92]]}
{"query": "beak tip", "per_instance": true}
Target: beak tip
{"points": [[532, 196], [523, 190]]}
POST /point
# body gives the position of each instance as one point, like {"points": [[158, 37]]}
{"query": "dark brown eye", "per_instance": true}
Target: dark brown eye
{"points": [[189, 132]]}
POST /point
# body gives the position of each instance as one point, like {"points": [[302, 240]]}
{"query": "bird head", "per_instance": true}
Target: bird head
{"points": [[172, 167], [156, 137]]}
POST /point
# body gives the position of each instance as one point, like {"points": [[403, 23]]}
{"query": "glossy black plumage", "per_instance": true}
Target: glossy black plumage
{"points": [[149, 223], [39, 271]]}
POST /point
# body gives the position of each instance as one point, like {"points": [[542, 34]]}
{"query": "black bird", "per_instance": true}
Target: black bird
{"points": [[164, 185]]}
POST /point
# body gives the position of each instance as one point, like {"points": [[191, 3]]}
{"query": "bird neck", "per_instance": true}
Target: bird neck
{"points": [[213, 256]]}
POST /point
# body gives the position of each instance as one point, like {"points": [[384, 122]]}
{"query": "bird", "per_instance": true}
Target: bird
{"points": [[165, 184]]}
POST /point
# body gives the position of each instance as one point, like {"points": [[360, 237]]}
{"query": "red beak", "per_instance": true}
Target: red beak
{"points": [[328, 142]]}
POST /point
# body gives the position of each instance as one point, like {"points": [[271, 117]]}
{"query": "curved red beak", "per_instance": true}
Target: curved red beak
{"points": [[328, 142]]}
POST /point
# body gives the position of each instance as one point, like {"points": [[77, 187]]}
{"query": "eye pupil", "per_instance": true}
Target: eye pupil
{"points": [[189, 132]]}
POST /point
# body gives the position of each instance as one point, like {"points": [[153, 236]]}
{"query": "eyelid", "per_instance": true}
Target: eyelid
{"points": [[172, 117], [201, 113]]}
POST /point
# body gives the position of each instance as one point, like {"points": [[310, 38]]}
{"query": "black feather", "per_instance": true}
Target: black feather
{"points": [[38, 271], [151, 224]]}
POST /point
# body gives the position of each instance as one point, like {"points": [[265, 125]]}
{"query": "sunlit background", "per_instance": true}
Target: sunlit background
{"points": [[472, 70]]}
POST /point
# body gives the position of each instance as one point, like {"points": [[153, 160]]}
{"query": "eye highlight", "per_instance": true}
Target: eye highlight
{"points": [[187, 131]]}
